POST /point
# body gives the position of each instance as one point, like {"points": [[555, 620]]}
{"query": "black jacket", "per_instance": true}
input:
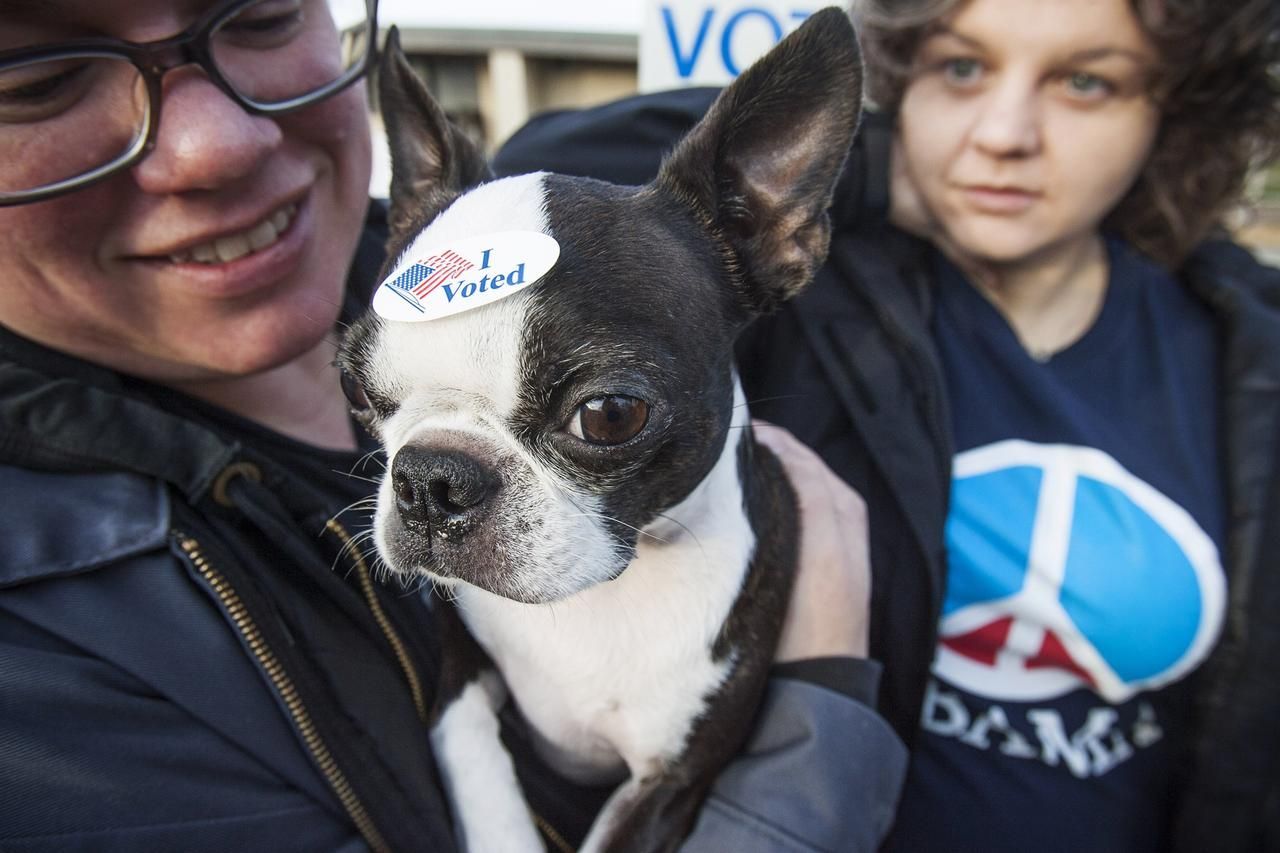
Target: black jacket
{"points": [[850, 368], [190, 657], [193, 658]]}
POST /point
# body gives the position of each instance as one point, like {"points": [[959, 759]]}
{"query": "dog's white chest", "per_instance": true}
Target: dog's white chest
{"points": [[619, 672]]}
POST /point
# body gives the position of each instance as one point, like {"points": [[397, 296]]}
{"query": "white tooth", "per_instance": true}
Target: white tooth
{"points": [[263, 235], [230, 248], [205, 253], [225, 249]]}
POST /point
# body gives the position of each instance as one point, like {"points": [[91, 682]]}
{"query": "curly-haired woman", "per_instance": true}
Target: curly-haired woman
{"points": [[1056, 387], [1097, 379]]}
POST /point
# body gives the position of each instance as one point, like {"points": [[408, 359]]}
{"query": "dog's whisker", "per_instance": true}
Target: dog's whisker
{"points": [[372, 456], [601, 516], [359, 477], [369, 501], [686, 529], [323, 300], [678, 523], [363, 504], [367, 539], [772, 399], [442, 590], [355, 547], [586, 513]]}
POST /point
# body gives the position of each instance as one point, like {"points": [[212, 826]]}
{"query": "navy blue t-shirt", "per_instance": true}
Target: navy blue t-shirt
{"points": [[1084, 579]]}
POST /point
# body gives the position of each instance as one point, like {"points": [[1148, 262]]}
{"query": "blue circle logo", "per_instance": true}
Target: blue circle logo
{"points": [[1068, 571]]}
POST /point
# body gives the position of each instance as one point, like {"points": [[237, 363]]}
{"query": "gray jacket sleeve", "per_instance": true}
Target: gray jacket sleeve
{"points": [[821, 772]]}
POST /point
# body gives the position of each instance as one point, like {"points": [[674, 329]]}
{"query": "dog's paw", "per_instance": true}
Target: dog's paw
{"points": [[480, 778]]}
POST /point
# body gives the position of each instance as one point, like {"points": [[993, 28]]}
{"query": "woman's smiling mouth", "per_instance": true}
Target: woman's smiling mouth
{"points": [[241, 243]]}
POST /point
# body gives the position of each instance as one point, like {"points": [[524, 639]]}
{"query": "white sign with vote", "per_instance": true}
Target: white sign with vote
{"points": [[709, 42]]}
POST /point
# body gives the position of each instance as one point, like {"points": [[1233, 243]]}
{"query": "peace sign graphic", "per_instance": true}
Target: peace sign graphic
{"points": [[1068, 571]]}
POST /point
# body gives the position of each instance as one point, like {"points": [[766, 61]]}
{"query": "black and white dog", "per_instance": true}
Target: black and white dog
{"points": [[572, 460]]}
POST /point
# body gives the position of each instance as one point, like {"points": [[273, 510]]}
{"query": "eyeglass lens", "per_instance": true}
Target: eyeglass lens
{"points": [[275, 51], [80, 113], [67, 117]]}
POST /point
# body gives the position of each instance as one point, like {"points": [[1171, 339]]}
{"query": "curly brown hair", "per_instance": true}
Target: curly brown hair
{"points": [[1217, 85]]}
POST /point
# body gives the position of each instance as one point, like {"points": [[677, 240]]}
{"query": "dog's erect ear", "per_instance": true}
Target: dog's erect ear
{"points": [[432, 160], [761, 166]]}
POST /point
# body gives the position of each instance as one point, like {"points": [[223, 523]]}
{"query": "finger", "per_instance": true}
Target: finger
{"points": [[809, 474], [794, 452]]}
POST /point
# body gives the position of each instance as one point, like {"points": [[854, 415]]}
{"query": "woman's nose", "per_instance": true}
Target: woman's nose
{"points": [[205, 140], [1008, 123]]}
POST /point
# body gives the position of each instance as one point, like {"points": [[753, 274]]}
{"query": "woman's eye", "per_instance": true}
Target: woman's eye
{"points": [[44, 85], [353, 388], [961, 71], [46, 89], [1088, 85], [611, 420], [263, 25]]}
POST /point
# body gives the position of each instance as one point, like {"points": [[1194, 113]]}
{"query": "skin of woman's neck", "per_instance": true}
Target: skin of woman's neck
{"points": [[301, 399], [1049, 299]]}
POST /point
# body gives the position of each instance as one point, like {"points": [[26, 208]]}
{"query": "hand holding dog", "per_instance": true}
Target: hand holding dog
{"points": [[830, 602]]}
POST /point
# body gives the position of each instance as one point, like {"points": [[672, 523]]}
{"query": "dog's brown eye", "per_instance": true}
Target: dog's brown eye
{"points": [[354, 391], [609, 420]]}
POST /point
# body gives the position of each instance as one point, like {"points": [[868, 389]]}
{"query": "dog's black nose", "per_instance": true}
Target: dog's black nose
{"points": [[443, 488]]}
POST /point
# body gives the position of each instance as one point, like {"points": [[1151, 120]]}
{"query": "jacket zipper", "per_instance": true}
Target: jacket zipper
{"points": [[549, 832], [555, 839], [283, 685], [380, 616]]}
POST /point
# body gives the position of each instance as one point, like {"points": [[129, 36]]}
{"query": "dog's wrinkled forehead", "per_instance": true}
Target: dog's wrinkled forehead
{"points": [[640, 281], [469, 359]]}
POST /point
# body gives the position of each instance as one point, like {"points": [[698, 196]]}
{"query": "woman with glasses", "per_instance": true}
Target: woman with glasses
{"points": [[194, 652]]}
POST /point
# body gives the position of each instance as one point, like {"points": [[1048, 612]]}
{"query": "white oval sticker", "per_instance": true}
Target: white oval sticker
{"points": [[434, 282]]}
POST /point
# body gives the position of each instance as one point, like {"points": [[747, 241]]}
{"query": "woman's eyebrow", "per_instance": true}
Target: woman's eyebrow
{"points": [[28, 7], [1087, 55], [1106, 52], [33, 12], [941, 30]]}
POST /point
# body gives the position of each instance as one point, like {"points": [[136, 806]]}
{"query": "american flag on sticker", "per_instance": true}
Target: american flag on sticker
{"points": [[426, 275], [412, 277]]}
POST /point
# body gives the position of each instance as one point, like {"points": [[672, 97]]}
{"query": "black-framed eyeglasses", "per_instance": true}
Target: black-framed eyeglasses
{"points": [[77, 111]]}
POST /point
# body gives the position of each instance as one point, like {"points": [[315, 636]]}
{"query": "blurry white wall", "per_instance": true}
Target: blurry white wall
{"points": [[494, 63]]}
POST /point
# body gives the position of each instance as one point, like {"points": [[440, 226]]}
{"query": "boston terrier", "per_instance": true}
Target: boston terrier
{"points": [[549, 365]]}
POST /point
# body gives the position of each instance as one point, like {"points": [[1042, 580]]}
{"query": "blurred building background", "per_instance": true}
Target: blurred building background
{"points": [[492, 64], [1258, 224]]}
